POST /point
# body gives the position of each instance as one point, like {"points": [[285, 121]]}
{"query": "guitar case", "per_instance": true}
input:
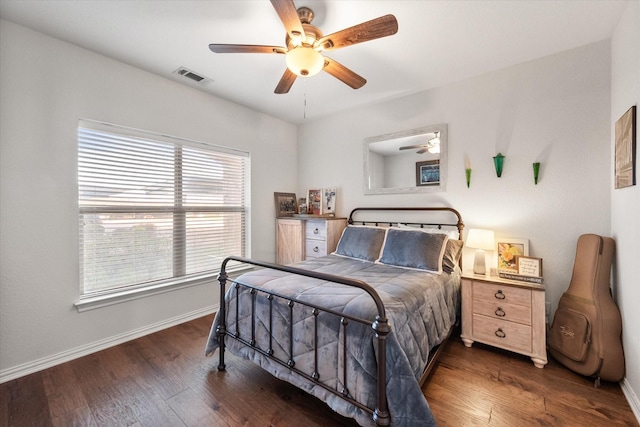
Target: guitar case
{"points": [[586, 333]]}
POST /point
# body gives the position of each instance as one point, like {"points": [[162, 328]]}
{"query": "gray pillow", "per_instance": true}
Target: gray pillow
{"points": [[415, 249], [361, 242], [452, 253]]}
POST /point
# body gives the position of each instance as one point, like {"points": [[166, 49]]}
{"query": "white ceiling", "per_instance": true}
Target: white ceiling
{"points": [[438, 42]]}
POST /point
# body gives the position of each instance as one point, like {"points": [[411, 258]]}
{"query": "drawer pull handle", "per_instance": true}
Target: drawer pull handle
{"points": [[316, 231], [500, 312], [499, 294], [316, 249], [500, 333]]}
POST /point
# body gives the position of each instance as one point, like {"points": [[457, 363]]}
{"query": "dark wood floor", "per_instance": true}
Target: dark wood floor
{"points": [[164, 380]]}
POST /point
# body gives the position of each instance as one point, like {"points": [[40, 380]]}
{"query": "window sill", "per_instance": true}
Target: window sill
{"points": [[94, 302]]}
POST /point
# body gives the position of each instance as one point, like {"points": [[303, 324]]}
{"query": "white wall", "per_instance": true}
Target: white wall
{"points": [[559, 110], [625, 203], [46, 85], [554, 110]]}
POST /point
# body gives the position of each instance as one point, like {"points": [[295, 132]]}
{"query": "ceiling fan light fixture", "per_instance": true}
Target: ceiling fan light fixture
{"points": [[304, 61], [434, 144]]}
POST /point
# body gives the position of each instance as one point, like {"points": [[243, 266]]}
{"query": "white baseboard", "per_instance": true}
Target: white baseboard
{"points": [[75, 353], [632, 398]]}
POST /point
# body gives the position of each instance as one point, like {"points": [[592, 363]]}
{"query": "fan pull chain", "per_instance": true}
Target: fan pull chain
{"points": [[304, 113]]}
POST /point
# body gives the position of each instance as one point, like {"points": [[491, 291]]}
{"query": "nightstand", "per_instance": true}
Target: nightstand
{"points": [[508, 314]]}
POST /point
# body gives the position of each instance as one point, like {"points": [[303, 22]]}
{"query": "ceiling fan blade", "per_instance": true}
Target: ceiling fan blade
{"points": [[422, 151], [411, 147], [343, 74], [285, 82], [376, 28], [288, 14], [245, 48]]}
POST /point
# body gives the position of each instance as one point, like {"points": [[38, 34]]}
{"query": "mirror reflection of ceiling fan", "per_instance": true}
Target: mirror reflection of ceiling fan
{"points": [[305, 42], [432, 146]]}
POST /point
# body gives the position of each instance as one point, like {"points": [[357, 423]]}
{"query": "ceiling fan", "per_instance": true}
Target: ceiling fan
{"points": [[304, 42], [432, 146]]}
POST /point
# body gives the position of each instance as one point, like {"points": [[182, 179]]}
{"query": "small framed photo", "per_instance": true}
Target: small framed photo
{"points": [[428, 173], [508, 250], [314, 201], [529, 266], [302, 205], [286, 204]]}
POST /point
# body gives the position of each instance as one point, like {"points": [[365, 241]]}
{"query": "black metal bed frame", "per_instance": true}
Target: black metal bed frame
{"points": [[379, 325]]}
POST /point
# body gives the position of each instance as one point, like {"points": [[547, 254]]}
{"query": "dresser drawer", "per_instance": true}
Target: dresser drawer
{"points": [[501, 333], [316, 230], [315, 248]]}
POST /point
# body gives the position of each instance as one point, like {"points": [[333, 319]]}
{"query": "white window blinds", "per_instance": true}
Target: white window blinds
{"points": [[154, 208]]}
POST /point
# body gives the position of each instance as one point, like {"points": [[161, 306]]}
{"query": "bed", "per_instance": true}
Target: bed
{"points": [[360, 328]]}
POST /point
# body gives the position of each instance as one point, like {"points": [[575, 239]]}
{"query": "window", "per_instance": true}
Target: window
{"points": [[156, 210]]}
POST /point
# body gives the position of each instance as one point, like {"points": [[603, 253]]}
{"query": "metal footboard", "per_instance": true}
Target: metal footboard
{"points": [[379, 325]]}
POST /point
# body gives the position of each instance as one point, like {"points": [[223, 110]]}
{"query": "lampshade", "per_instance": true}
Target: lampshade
{"points": [[304, 61], [481, 239]]}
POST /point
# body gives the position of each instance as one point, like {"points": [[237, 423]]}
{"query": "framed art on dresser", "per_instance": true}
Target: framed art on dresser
{"points": [[329, 200], [286, 204], [314, 201]]}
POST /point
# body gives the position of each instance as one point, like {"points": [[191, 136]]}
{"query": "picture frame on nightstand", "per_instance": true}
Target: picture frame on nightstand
{"points": [[508, 249], [529, 266]]}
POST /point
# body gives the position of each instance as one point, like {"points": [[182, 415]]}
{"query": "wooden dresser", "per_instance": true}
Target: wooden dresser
{"points": [[301, 238], [504, 313]]}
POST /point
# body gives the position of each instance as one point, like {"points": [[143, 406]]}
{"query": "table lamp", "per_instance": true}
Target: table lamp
{"points": [[480, 240]]}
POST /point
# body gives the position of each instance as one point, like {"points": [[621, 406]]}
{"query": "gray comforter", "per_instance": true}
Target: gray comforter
{"points": [[421, 308]]}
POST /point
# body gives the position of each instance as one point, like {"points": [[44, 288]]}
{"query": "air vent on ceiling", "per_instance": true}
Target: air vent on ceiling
{"points": [[185, 72]]}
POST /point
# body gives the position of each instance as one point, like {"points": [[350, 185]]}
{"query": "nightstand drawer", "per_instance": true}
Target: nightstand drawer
{"points": [[316, 230], [490, 292], [503, 310], [501, 333], [315, 248]]}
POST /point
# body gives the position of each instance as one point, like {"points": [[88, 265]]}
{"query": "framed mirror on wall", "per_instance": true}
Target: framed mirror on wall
{"points": [[411, 161]]}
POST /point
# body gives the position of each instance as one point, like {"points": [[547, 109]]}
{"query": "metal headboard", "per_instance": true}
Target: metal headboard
{"points": [[438, 224]]}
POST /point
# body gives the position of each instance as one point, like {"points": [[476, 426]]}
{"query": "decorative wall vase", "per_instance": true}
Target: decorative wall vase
{"points": [[498, 161], [468, 173], [536, 171]]}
